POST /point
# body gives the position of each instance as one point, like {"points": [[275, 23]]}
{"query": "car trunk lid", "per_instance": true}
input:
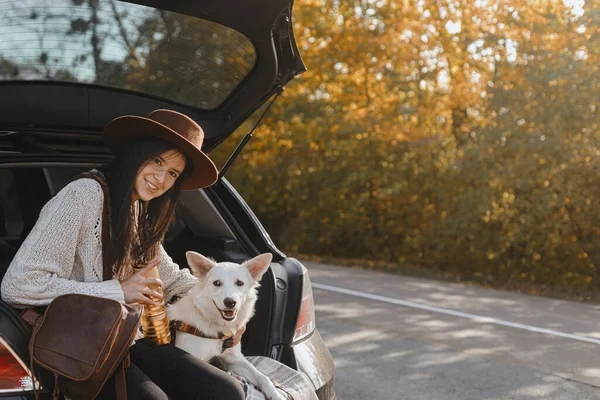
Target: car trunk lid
{"points": [[69, 66]]}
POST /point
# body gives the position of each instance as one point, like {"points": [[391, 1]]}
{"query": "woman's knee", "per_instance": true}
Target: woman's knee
{"points": [[183, 376]]}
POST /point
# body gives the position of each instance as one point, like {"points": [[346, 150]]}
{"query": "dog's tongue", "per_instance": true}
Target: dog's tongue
{"points": [[228, 314]]}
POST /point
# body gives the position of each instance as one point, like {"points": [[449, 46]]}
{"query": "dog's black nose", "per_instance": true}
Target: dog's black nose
{"points": [[229, 302]]}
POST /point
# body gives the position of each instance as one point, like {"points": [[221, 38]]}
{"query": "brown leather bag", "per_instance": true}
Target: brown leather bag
{"points": [[83, 340]]}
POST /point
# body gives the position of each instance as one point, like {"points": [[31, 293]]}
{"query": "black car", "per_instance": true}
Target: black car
{"points": [[67, 67]]}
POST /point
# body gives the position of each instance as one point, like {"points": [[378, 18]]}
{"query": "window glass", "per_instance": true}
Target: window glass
{"points": [[121, 45]]}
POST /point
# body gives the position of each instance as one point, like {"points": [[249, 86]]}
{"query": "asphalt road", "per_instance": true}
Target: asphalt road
{"points": [[393, 337]]}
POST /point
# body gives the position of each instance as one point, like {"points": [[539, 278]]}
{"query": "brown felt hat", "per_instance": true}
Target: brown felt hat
{"points": [[176, 128]]}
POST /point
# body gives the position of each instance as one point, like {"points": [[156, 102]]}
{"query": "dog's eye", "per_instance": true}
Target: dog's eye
{"points": [[239, 283], [217, 283]]}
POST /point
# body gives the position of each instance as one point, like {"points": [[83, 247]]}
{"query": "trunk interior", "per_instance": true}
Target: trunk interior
{"points": [[197, 226]]}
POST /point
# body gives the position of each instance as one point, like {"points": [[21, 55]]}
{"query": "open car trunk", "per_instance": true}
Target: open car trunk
{"points": [[67, 67], [198, 226]]}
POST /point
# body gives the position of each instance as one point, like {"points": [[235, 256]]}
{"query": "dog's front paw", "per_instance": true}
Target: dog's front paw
{"points": [[282, 396], [271, 392]]}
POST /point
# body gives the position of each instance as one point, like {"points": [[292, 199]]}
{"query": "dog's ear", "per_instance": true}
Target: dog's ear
{"points": [[199, 264], [259, 265]]}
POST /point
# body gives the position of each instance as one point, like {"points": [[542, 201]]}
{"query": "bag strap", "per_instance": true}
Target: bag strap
{"points": [[120, 381], [107, 273]]}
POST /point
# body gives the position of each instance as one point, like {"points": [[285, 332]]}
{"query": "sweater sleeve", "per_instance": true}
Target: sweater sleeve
{"points": [[42, 268], [176, 282]]}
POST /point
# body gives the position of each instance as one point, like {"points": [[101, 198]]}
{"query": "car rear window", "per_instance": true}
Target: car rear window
{"points": [[120, 45]]}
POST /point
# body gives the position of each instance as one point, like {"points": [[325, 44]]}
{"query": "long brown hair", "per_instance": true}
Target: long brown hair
{"points": [[137, 229]]}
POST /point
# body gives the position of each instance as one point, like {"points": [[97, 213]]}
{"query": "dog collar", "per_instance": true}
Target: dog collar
{"points": [[183, 327]]}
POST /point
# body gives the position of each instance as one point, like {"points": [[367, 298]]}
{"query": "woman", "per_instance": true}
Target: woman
{"points": [[156, 158]]}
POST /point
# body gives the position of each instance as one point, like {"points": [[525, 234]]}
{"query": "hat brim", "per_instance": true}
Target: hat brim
{"points": [[121, 130]]}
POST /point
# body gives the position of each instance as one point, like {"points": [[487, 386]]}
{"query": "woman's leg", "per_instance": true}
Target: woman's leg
{"points": [[183, 376], [139, 387]]}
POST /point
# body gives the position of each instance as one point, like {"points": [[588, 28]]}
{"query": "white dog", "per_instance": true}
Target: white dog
{"points": [[219, 306]]}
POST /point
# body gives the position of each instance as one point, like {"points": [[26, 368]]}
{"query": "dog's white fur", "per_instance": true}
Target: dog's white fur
{"points": [[203, 306]]}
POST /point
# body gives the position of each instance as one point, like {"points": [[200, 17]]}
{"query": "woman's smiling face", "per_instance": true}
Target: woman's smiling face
{"points": [[158, 175]]}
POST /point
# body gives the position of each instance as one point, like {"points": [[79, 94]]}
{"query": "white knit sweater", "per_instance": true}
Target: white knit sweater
{"points": [[63, 253]]}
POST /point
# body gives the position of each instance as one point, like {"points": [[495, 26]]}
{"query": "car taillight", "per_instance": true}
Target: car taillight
{"points": [[14, 374], [306, 317]]}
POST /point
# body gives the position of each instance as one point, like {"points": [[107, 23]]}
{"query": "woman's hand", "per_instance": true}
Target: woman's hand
{"points": [[237, 338], [140, 288]]}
